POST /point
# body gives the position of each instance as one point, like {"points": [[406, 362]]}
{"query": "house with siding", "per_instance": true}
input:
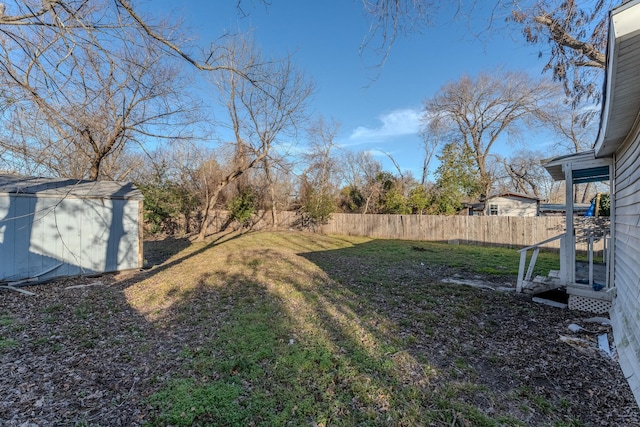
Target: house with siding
{"points": [[615, 160], [506, 204]]}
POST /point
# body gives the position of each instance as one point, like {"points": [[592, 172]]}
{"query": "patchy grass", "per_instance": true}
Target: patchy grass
{"points": [[478, 259], [301, 329], [6, 324], [315, 330], [6, 320], [7, 343]]}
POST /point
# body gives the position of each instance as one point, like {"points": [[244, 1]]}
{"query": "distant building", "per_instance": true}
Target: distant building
{"points": [[506, 204], [560, 209]]}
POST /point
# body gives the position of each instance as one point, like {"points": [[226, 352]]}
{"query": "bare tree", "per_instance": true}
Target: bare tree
{"points": [[431, 135], [263, 109], [575, 128], [89, 86], [390, 18], [526, 175], [320, 178], [275, 182], [50, 50], [576, 32], [102, 21], [359, 172], [478, 112], [170, 178], [572, 34]]}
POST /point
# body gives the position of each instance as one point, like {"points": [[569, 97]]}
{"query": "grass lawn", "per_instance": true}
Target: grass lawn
{"points": [[288, 328], [302, 329]]}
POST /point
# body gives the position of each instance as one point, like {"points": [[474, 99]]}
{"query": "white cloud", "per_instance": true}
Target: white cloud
{"points": [[395, 123]]}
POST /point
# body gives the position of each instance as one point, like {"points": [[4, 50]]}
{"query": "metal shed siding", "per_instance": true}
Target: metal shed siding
{"points": [[625, 312], [47, 235]]}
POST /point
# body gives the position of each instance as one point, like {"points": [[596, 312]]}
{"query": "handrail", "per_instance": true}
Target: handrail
{"points": [[532, 262], [544, 242], [565, 274]]}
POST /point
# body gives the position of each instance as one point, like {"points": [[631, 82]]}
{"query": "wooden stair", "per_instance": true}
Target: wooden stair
{"points": [[541, 284]]}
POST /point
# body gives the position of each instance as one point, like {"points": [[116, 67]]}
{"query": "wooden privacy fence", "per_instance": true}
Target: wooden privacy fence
{"points": [[262, 221], [509, 231]]}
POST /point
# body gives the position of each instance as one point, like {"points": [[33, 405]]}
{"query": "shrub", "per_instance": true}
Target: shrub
{"points": [[242, 207]]}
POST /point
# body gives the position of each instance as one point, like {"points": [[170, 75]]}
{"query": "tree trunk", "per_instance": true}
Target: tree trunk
{"points": [[206, 220], [585, 193], [94, 172], [273, 205]]}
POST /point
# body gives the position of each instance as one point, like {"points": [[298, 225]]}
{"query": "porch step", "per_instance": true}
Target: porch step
{"points": [[541, 284]]}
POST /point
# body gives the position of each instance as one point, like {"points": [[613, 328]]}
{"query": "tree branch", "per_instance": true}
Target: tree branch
{"points": [[563, 38]]}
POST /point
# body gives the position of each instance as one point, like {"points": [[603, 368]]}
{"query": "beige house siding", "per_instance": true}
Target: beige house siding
{"points": [[512, 206], [625, 313]]}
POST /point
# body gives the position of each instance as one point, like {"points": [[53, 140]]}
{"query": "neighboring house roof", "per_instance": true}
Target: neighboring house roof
{"points": [[475, 206], [510, 194], [561, 207], [57, 187], [621, 102]]}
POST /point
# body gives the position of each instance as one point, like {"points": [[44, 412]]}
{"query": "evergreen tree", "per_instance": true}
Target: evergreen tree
{"points": [[457, 179]]}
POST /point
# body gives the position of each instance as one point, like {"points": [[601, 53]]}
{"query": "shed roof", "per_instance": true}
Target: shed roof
{"points": [[62, 187]]}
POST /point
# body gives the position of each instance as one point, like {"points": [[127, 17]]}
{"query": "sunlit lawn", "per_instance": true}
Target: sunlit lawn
{"points": [[302, 329]]}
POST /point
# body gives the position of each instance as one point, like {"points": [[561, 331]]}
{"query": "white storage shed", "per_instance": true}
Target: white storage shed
{"points": [[65, 227]]}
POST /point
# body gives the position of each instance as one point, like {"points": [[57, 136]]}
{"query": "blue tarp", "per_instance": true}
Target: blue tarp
{"points": [[592, 209]]}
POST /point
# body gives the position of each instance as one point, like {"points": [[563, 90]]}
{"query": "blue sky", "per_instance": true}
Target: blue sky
{"points": [[325, 36]]}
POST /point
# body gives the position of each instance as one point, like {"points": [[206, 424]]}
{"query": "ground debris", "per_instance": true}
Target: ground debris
{"points": [[17, 289], [85, 285]]}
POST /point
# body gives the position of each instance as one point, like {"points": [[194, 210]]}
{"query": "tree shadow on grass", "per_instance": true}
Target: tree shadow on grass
{"points": [[301, 329], [79, 355], [159, 250], [164, 257], [297, 331], [451, 352], [303, 342], [264, 344]]}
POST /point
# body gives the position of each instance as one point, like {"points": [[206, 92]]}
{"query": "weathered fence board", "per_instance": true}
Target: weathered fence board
{"points": [[482, 230], [509, 231]]}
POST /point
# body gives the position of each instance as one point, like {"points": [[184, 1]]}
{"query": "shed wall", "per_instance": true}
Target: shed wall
{"points": [[48, 237], [625, 312]]}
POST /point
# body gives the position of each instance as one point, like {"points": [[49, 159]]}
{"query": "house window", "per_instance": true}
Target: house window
{"points": [[493, 209]]}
